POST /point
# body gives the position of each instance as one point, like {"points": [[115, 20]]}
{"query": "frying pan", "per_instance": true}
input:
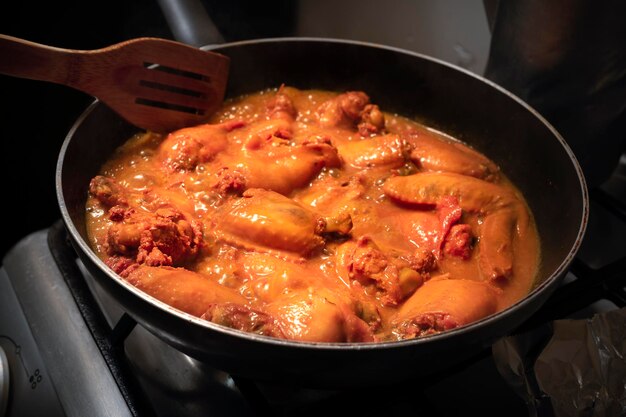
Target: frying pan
{"points": [[529, 151]]}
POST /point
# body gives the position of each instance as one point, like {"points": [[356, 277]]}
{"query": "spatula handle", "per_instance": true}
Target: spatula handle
{"points": [[25, 59]]}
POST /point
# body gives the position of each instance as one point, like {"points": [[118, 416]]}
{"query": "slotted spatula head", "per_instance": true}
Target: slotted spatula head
{"points": [[156, 84], [162, 85]]}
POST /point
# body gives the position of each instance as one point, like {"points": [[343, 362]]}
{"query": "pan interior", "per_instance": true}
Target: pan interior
{"points": [[528, 150]]}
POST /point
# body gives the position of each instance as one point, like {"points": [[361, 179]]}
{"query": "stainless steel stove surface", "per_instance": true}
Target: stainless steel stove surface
{"points": [[67, 349]]}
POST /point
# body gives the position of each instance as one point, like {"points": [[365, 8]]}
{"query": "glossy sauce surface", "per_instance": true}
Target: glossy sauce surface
{"points": [[315, 216]]}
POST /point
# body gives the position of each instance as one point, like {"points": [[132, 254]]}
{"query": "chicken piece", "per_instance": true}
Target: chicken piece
{"points": [[121, 265], [199, 296], [324, 146], [184, 149], [281, 106], [443, 304], [437, 154], [362, 264], [268, 222], [284, 168], [166, 237], [119, 198], [371, 121], [108, 191], [387, 150], [496, 241], [366, 260], [124, 237], [180, 288], [277, 129], [333, 197], [267, 134], [244, 318], [504, 216], [428, 189], [342, 110], [350, 110], [319, 317]]}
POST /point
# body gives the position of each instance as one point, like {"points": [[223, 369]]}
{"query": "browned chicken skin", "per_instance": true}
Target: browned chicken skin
{"points": [[316, 217], [182, 289], [444, 304], [318, 317], [165, 237], [352, 109], [281, 107], [435, 154], [265, 220], [184, 149], [107, 191], [504, 216], [162, 237]]}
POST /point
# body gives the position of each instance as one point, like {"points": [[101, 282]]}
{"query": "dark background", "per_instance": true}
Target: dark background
{"points": [[35, 116]]}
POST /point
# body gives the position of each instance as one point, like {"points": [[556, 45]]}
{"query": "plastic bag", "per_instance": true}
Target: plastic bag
{"points": [[570, 367]]}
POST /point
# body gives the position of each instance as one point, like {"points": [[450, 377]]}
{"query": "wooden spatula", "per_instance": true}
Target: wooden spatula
{"points": [[156, 84]]}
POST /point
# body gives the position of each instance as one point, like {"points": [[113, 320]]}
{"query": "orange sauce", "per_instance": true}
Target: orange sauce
{"points": [[315, 216]]}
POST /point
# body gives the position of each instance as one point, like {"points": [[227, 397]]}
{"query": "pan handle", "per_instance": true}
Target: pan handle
{"points": [[190, 23]]}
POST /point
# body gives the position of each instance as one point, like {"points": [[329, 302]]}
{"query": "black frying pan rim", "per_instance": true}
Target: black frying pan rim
{"points": [[548, 284]]}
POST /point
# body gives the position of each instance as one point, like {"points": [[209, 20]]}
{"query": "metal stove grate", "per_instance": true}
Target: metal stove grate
{"points": [[109, 341]]}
